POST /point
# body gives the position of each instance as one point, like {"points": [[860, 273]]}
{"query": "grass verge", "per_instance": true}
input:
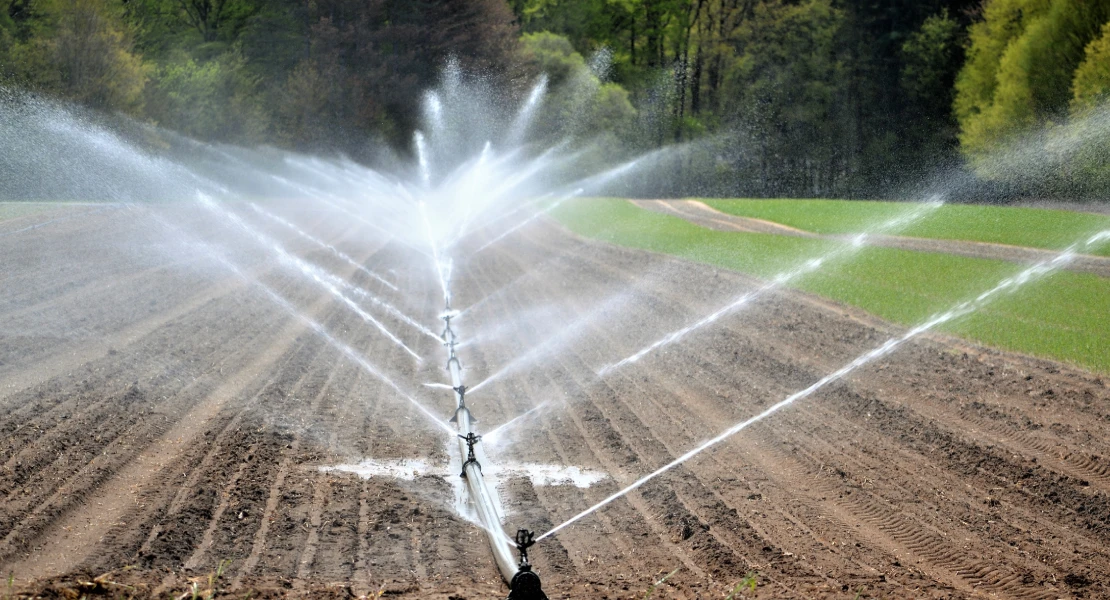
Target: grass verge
{"points": [[1016, 226], [12, 210], [1066, 317]]}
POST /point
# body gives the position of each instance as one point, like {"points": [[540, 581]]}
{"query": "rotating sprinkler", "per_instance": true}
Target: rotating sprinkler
{"points": [[524, 583], [470, 439]]}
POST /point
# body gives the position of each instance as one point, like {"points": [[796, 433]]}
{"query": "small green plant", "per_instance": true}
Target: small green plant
{"points": [[859, 592], [214, 578], [11, 586], [747, 584], [195, 592], [660, 582]]}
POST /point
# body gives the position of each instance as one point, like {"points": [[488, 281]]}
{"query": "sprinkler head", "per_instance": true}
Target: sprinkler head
{"points": [[471, 438], [525, 539], [449, 314], [526, 583], [461, 391]]}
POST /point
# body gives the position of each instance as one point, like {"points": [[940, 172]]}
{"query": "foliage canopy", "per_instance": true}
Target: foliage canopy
{"points": [[789, 97]]}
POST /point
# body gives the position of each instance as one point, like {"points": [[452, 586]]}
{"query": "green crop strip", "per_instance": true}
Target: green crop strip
{"points": [[1016, 226], [1066, 317]]}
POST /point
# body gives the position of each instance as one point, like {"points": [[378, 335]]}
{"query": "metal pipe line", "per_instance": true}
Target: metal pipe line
{"points": [[484, 497]]}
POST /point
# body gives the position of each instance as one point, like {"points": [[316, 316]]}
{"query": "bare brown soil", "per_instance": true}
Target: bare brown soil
{"points": [[161, 418], [707, 216]]}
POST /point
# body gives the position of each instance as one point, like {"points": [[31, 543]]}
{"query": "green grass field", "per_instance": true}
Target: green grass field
{"points": [[12, 210], [1033, 227], [1065, 316]]}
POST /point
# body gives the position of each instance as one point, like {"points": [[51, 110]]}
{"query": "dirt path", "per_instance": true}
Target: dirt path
{"points": [[175, 436], [701, 214]]}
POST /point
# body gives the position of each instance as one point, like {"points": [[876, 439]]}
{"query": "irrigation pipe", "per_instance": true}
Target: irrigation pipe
{"points": [[484, 498]]}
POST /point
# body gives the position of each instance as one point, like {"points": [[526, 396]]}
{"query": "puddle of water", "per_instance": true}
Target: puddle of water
{"points": [[544, 475], [495, 474], [410, 469]]}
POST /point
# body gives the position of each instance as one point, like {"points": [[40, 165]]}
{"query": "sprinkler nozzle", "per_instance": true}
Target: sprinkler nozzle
{"points": [[525, 539], [461, 391], [449, 314], [526, 583], [471, 439]]}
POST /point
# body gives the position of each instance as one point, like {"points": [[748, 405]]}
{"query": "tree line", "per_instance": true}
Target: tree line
{"points": [[318, 74], [851, 98]]}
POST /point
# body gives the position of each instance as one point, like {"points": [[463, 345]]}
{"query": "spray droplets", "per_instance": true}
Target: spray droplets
{"points": [[808, 266], [1033, 272]]}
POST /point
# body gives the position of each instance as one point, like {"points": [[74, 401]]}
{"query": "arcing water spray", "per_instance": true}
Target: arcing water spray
{"points": [[524, 583], [778, 281], [1010, 284]]}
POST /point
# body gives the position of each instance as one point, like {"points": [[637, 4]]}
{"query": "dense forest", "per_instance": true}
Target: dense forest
{"points": [[853, 98]]}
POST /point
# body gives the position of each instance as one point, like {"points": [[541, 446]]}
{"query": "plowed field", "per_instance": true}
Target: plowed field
{"points": [[162, 420]]}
